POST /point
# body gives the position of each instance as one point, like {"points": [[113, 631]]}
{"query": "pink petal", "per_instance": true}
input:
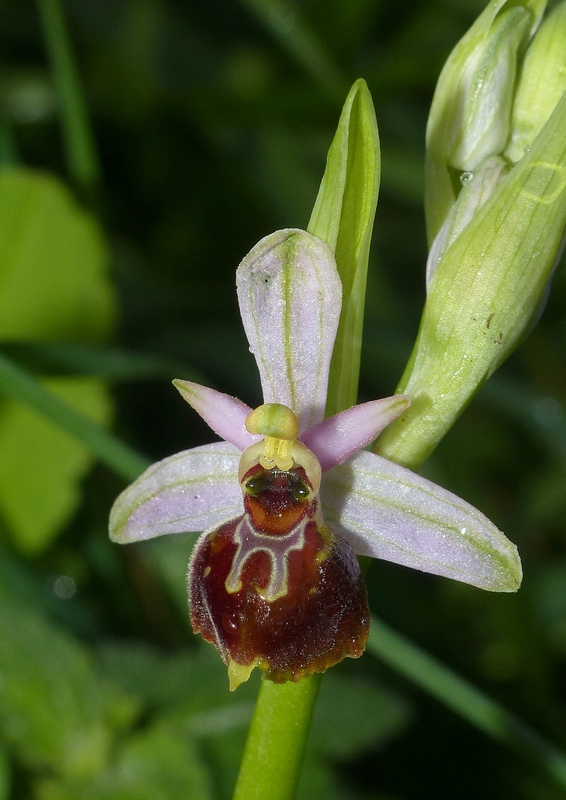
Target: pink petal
{"points": [[224, 414], [335, 439], [190, 491], [290, 297], [389, 512]]}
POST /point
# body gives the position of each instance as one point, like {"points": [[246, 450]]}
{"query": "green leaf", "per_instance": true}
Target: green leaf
{"points": [[53, 285], [57, 359], [82, 159], [23, 387], [343, 217], [191, 687], [354, 716], [55, 710], [5, 773], [288, 25], [159, 763], [191, 684], [464, 698], [320, 781], [53, 262], [41, 465]]}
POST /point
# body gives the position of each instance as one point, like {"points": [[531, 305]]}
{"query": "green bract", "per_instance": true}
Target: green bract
{"points": [[343, 217]]}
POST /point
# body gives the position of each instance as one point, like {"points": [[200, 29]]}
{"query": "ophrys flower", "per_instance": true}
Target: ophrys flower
{"points": [[271, 583]]}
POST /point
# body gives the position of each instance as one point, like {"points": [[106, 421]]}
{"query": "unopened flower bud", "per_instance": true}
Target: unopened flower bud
{"points": [[470, 115]]}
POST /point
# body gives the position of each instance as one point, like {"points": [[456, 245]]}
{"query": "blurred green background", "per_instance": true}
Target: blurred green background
{"points": [[212, 121]]}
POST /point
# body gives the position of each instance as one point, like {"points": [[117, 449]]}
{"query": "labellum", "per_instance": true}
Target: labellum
{"points": [[276, 588]]}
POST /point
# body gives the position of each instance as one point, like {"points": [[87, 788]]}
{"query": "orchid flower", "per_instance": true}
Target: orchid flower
{"points": [[289, 497]]}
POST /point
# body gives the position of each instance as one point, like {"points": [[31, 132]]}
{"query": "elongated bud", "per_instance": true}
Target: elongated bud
{"points": [[470, 115], [540, 85]]}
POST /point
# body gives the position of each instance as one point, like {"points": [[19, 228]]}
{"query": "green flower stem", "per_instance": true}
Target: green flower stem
{"points": [[465, 699], [277, 739], [23, 387], [81, 153]]}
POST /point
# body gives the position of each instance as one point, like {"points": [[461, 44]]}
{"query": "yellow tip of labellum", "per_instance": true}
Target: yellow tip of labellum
{"points": [[239, 673]]}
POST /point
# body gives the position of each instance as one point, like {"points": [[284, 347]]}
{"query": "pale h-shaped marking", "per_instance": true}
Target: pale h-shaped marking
{"points": [[277, 547]]}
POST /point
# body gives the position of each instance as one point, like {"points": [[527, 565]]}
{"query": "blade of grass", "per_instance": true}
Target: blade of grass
{"points": [[465, 699], [21, 386], [82, 159], [69, 358], [285, 21]]}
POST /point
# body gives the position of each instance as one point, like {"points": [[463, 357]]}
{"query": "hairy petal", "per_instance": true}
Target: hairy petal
{"points": [[190, 491], [226, 415], [336, 438], [290, 297], [388, 512]]}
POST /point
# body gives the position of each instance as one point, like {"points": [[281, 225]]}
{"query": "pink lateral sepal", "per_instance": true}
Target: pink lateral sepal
{"points": [[335, 439], [226, 415]]}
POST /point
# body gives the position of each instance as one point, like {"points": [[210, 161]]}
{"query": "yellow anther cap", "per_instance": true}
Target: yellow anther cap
{"points": [[274, 420]]}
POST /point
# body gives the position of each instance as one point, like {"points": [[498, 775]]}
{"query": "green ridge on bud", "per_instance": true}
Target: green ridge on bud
{"points": [[477, 187], [541, 83]]}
